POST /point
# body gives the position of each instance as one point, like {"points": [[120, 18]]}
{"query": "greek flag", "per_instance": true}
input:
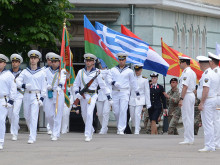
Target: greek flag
{"points": [[117, 42]]}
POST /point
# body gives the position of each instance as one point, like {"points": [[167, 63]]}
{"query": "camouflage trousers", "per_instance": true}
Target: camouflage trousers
{"points": [[147, 124], [173, 122]]}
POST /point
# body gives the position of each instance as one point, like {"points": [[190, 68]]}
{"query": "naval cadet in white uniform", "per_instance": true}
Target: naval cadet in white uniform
{"points": [[33, 80], [103, 106], [214, 64], [7, 95], [49, 63], [187, 84], [122, 79], [88, 103], [208, 85], [16, 60], [135, 105], [56, 79]]}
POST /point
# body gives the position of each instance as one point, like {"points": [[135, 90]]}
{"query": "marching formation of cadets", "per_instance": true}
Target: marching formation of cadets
{"points": [[119, 88]]}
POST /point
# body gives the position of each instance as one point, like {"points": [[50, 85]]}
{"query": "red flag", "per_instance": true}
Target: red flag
{"points": [[171, 57]]}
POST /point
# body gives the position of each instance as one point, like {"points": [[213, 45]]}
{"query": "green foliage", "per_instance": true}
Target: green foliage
{"points": [[26, 23]]}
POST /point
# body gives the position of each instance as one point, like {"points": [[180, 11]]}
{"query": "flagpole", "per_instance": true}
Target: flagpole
{"points": [[57, 99]]}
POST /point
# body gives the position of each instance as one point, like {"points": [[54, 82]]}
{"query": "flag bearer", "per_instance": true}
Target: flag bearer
{"points": [[208, 85], [7, 95], [16, 60], [187, 84], [88, 103], [32, 79], [122, 80], [136, 105], [56, 79]]}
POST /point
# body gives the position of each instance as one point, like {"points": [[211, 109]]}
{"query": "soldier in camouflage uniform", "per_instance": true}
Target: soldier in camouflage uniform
{"points": [[174, 111], [197, 116]]}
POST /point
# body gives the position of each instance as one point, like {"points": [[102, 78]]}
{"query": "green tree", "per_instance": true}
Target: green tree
{"points": [[26, 23]]}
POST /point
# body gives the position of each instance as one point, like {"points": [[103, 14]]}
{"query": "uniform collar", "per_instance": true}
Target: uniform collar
{"points": [[93, 69], [3, 70], [15, 72]]}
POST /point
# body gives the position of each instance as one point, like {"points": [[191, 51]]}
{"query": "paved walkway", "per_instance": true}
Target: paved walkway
{"points": [[111, 149]]}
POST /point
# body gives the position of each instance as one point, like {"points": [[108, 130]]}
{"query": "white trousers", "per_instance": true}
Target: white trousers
{"points": [[15, 116], [187, 111], [54, 119], [120, 106], [31, 112], [65, 119], [3, 115], [103, 109], [87, 113], [208, 115], [135, 113], [217, 124]]}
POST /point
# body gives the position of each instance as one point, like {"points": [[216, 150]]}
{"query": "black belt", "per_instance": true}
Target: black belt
{"points": [[90, 91]]}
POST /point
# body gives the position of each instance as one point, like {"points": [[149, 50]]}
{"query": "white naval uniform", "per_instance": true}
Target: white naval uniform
{"points": [[17, 107], [66, 112], [209, 79], [188, 78], [103, 105], [87, 109], [217, 113], [47, 124], [120, 95], [32, 96], [136, 105], [54, 119], [8, 92]]}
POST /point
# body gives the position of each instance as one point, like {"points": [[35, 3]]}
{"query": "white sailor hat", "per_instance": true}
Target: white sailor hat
{"points": [[54, 57], [213, 56], [16, 57], [89, 56], [154, 74], [49, 54], [183, 59], [34, 53], [203, 59], [3, 58], [121, 56], [138, 66]]}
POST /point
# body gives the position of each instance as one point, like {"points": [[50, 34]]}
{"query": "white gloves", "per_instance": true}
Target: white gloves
{"points": [[110, 102], [28, 87], [59, 89], [74, 106], [40, 103], [49, 87], [116, 84], [78, 96], [138, 96], [8, 105]]}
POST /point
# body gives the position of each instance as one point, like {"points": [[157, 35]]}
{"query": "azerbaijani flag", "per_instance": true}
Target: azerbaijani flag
{"points": [[171, 56], [154, 61], [95, 45], [66, 63]]}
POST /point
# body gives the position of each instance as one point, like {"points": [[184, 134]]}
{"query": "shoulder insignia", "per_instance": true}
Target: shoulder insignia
{"points": [[206, 80], [216, 70], [184, 71], [144, 77], [206, 72], [184, 78]]}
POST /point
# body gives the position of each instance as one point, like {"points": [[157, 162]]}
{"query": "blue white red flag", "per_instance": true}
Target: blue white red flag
{"points": [[117, 43]]}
